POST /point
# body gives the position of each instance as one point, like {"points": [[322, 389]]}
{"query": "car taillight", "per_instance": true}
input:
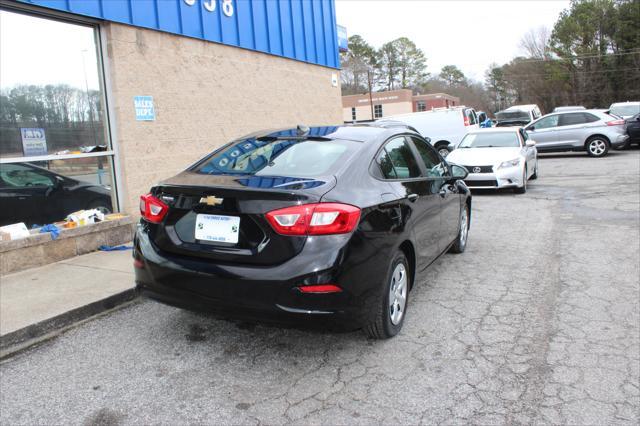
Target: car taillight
{"points": [[152, 209], [615, 123], [466, 121], [314, 219], [320, 288]]}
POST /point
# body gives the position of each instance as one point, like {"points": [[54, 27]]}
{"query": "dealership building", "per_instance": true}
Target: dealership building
{"points": [[125, 93], [367, 107]]}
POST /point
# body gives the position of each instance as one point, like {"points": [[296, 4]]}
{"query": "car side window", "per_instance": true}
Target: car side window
{"points": [[572, 119], [433, 163], [524, 136], [590, 118], [398, 162], [547, 122], [536, 113], [472, 117], [17, 176]]}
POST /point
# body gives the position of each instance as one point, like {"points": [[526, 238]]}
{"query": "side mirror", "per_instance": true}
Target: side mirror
{"points": [[530, 128], [531, 143], [458, 172]]}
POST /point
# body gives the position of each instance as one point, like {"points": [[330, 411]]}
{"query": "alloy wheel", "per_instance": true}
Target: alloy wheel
{"points": [[597, 147], [398, 293], [464, 226], [443, 152]]}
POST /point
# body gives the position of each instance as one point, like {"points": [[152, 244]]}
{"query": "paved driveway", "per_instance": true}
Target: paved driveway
{"points": [[538, 322]]}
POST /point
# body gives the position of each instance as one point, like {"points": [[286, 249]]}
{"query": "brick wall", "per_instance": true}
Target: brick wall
{"points": [[205, 94]]}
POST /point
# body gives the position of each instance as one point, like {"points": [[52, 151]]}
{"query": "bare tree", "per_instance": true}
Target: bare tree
{"points": [[535, 43]]}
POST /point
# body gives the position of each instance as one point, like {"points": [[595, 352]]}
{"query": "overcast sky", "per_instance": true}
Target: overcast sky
{"points": [[469, 34], [30, 52]]}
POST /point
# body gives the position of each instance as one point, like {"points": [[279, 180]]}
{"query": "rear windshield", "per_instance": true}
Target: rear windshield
{"points": [[625, 110], [304, 158], [513, 115], [490, 140]]}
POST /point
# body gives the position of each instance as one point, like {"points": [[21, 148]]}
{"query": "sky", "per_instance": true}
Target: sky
{"points": [[30, 52], [468, 34]]}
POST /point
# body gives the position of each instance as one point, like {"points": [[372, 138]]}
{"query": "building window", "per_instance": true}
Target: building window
{"points": [[377, 111], [353, 114], [53, 125], [421, 106]]}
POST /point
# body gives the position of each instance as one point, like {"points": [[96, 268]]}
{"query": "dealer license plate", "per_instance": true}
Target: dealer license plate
{"points": [[221, 229]]}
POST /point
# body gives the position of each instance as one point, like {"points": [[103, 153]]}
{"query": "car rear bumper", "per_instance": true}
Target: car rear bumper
{"points": [[503, 178], [620, 141], [250, 291]]}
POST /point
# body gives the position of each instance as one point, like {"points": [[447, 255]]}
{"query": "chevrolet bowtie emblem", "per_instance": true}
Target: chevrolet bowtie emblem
{"points": [[211, 200]]}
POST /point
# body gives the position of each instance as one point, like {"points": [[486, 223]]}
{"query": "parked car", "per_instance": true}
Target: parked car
{"points": [[330, 224], [497, 158], [445, 126], [593, 131], [518, 115], [633, 129], [569, 108], [625, 109], [35, 195]]}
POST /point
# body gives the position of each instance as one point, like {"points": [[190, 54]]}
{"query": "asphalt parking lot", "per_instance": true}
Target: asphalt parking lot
{"points": [[538, 322]]}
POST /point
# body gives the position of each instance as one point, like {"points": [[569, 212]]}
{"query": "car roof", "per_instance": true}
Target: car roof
{"points": [[527, 107], [624, 103], [512, 129], [361, 132]]}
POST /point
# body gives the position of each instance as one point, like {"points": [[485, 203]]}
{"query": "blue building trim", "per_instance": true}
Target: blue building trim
{"points": [[304, 30]]}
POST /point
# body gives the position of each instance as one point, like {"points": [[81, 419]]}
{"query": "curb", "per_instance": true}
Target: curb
{"points": [[26, 337]]}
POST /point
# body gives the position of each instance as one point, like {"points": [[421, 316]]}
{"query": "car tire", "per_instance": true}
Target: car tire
{"points": [[461, 240], [597, 146], [390, 310], [101, 206], [522, 189], [534, 176]]}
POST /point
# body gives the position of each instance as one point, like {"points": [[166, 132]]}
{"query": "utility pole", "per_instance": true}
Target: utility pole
{"points": [[370, 96]]}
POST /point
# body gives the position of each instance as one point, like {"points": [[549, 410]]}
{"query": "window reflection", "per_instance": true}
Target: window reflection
{"points": [[50, 96], [47, 191]]}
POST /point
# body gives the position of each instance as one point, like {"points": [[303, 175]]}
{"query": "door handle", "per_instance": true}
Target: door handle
{"points": [[412, 197]]}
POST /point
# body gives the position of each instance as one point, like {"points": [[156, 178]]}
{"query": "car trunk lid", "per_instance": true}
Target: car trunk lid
{"points": [[198, 200]]}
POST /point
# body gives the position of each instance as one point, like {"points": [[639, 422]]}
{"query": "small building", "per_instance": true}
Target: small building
{"points": [[357, 108]]}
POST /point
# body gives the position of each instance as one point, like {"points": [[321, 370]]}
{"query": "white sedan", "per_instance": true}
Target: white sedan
{"points": [[500, 157]]}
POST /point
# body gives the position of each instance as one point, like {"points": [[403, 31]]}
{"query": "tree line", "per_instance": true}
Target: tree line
{"points": [[50, 105], [590, 57]]}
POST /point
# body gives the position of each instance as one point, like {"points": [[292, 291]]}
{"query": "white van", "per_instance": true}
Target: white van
{"points": [[444, 126]]}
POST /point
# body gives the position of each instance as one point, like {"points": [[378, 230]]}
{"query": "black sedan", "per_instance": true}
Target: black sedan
{"points": [[35, 195], [329, 223]]}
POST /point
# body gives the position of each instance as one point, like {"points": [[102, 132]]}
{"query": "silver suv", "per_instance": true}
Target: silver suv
{"points": [[590, 130]]}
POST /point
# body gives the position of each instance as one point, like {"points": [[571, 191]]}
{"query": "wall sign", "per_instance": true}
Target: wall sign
{"points": [[34, 142], [144, 108]]}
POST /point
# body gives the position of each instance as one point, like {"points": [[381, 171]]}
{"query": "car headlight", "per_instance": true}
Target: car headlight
{"points": [[511, 163]]}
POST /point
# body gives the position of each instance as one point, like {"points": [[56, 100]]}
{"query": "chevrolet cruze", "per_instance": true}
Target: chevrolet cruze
{"points": [[323, 223]]}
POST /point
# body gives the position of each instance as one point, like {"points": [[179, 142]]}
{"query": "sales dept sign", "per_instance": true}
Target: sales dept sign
{"points": [[211, 5], [34, 141], [144, 108]]}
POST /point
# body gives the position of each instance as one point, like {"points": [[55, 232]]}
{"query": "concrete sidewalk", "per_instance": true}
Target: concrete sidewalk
{"points": [[38, 302]]}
